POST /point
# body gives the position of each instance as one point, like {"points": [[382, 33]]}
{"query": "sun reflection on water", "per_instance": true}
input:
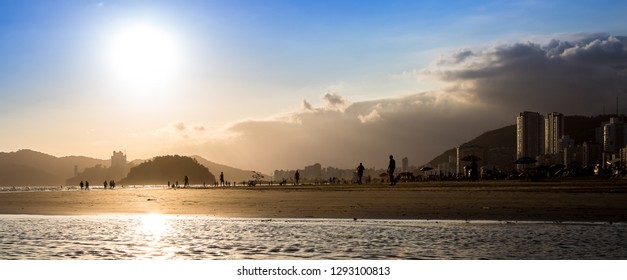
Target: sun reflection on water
{"points": [[153, 224], [153, 229]]}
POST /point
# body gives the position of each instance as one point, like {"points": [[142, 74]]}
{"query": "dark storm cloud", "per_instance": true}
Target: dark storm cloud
{"points": [[574, 77]]}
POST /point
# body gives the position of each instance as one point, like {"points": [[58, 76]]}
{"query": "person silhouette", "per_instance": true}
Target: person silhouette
{"points": [[297, 177], [360, 172], [186, 181], [105, 184], [391, 168], [222, 179], [82, 185], [86, 185]]}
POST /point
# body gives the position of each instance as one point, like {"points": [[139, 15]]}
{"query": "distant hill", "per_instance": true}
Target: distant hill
{"points": [[21, 175], [28, 167], [162, 169], [231, 174], [580, 128], [503, 138]]}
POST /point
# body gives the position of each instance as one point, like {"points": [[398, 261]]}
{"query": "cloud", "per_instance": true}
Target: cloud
{"points": [[372, 117], [179, 132], [578, 77], [306, 105], [419, 126], [483, 89], [335, 101]]}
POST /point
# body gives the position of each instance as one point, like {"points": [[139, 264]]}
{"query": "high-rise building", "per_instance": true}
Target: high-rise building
{"points": [[553, 132], [405, 164], [529, 134], [614, 139], [614, 136]]}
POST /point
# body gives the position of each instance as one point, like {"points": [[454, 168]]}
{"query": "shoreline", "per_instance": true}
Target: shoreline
{"points": [[553, 201]]}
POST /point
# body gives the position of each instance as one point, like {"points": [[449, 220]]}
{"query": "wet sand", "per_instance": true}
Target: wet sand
{"points": [[594, 201]]}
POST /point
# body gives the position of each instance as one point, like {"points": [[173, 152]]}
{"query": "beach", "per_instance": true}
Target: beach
{"points": [[556, 201]]}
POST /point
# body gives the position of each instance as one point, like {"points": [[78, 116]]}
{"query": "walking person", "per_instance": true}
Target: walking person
{"points": [[360, 172], [185, 182], [222, 179], [87, 185], [105, 184], [391, 168], [296, 177], [82, 185]]}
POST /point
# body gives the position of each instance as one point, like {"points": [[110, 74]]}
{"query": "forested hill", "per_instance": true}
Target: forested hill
{"points": [[162, 169]]}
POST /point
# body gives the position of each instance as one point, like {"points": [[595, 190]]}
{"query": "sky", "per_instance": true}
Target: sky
{"points": [[269, 84]]}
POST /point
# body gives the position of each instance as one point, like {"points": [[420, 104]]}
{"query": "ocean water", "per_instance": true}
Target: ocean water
{"points": [[191, 237]]}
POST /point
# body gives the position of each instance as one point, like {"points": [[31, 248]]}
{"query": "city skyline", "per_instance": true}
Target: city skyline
{"points": [[273, 85]]}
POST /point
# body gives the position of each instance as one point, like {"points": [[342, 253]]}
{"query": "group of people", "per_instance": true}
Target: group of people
{"points": [[111, 184], [85, 185], [360, 173], [185, 183], [390, 171]]}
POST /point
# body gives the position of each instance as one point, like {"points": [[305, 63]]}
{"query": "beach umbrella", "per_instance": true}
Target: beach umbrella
{"points": [[525, 160], [470, 158], [425, 169]]}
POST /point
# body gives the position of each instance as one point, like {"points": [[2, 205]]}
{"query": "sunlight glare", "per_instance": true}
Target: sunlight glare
{"points": [[143, 57], [153, 224]]}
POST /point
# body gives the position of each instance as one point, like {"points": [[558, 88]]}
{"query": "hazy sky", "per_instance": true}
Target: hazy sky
{"points": [[270, 85]]}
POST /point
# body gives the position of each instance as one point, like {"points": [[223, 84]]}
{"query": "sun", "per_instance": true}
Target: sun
{"points": [[143, 56]]}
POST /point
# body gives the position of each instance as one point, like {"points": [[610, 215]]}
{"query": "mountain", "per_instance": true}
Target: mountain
{"points": [[163, 169], [499, 145], [22, 175], [231, 174], [28, 167]]}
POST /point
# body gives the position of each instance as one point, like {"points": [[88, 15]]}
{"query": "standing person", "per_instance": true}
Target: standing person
{"points": [[221, 178], [105, 184], [112, 184], [82, 185], [86, 185], [391, 168], [297, 176], [186, 181], [360, 172]]}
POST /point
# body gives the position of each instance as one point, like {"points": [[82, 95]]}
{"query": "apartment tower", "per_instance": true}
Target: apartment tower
{"points": [[530, 129]]}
